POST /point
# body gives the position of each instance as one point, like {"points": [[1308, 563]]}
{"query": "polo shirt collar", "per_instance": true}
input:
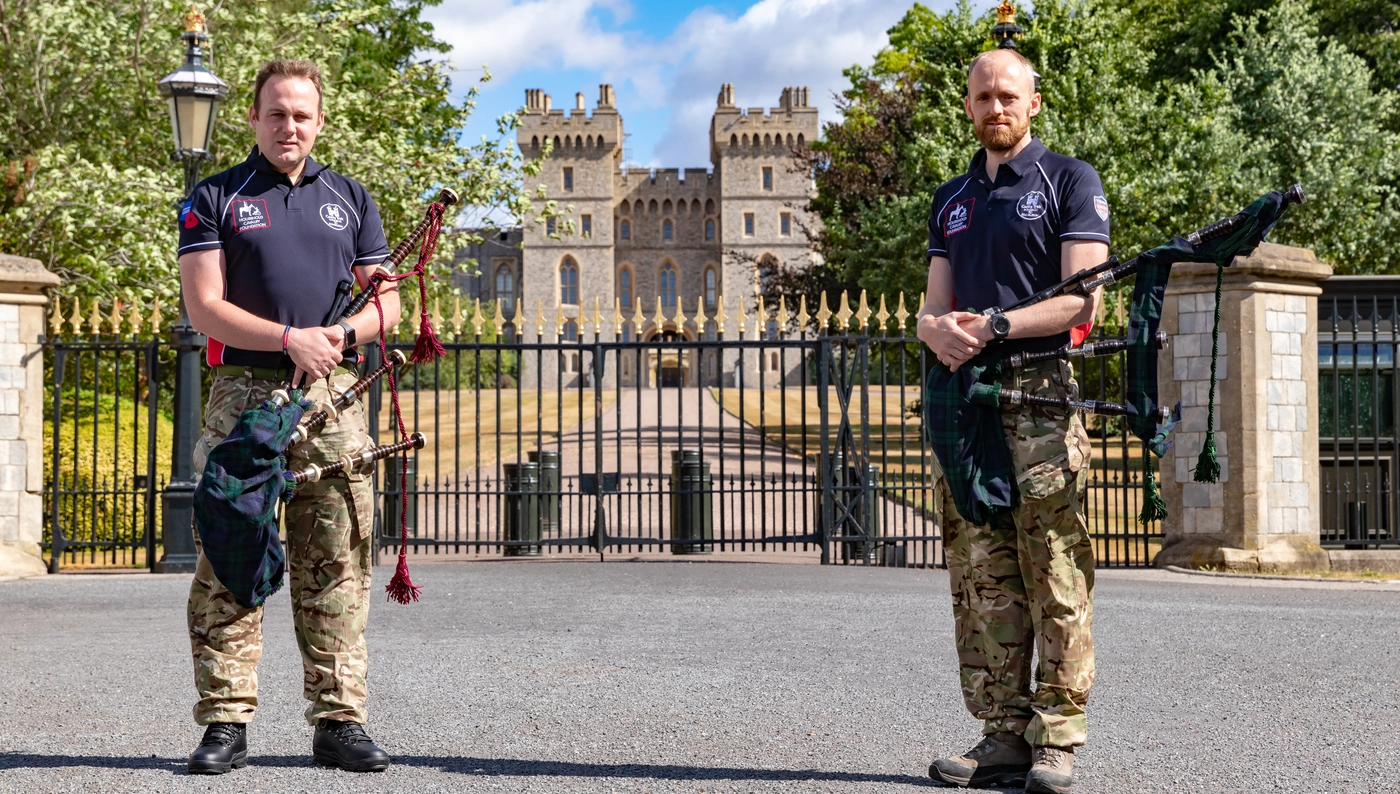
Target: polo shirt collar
{"points": [[259, 163], [1021, 164]]}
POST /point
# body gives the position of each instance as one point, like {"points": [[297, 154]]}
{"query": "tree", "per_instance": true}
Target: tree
{"points": [[88, 187]]}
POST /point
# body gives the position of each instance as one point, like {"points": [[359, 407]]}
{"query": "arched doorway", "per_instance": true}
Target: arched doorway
{"points": [[670, 367]]}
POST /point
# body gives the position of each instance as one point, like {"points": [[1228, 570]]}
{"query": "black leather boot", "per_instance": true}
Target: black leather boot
{"points": [[346, 745], [224, 747]]}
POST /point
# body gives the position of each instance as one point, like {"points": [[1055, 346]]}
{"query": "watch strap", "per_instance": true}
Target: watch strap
{"points": [[349, 333]]}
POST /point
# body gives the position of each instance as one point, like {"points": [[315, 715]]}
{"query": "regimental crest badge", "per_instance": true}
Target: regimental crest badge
{"points": [[187, 217], [250, 214], [334, 216], [1101, 207], [959, 217], [1032, 205]]}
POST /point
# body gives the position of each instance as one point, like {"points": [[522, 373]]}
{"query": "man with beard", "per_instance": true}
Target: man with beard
{"points": [[1022, 218]]}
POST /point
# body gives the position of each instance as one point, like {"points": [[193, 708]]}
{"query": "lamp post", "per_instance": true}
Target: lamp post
{"points": [[1006, 31], [193, 94]]}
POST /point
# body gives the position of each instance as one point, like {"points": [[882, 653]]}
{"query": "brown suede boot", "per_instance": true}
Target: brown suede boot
{"points": [[1001, 759], [1052, 771]]}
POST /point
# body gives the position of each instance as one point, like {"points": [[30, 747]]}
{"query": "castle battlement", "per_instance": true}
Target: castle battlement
{"points": [[792, 122], [572, 129]]}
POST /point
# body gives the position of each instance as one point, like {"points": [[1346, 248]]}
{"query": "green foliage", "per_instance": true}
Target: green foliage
{"points": [[88, 187], [1187, 119]]}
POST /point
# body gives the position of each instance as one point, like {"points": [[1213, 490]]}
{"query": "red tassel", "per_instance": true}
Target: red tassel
{"points": [[428, 348], [401, 588]]}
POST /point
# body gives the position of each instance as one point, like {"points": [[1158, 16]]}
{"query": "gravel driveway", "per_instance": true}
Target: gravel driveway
{"points": [[709, 677]]}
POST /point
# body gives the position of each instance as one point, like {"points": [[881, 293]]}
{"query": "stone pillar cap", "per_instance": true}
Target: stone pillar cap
{"points": [[1270, 261], [24, 275]]}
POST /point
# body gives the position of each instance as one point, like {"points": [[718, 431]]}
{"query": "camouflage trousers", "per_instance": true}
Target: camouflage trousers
{"points": [[1025, 584], [328, 534]]}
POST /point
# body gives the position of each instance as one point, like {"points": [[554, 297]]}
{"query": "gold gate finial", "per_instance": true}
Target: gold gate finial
{"points": [[194, 21], [1006, 13]]}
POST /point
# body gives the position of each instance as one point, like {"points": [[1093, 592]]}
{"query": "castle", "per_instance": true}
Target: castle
{"points": [[682, 237]]}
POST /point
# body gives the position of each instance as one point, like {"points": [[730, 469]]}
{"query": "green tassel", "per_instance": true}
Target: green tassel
{"points": [[1208, 465], [1153, 508]]}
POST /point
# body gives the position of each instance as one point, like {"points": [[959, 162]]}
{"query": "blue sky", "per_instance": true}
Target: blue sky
{"points": [[666, 60]]}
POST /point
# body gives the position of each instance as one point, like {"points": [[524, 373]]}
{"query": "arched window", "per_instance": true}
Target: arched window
{"points": [[666, 207], [710, 229], [534, 142], [709, 206], [668, 284], [652, 207], [746, 139], [733, 140], [571, 331], [799, 139], [667, 229], [624, 287], [625, 230], [568, 281], [711, 288], [505, 290]]}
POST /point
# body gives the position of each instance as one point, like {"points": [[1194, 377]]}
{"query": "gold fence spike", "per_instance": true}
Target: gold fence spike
{"points": [[156, 319], [638, 319], [843, 313], [597, 316], [77, 319], [803, 318], [499, 321], [902, 314], [721, 319], [56, 318], [477, 319], [116, 317], [617, 317], [95, 321], [559, 320], [134, 317], [700, 318], [660, 319], [539, 317], [457, 315], [680, 318], [783, 316], [437, 313], [823, 314], [883, 316], [863, 313], [743, 319], [761, 321]]}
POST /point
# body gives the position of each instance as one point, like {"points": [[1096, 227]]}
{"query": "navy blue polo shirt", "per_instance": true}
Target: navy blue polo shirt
{"points": [[1002, 238], [286, 247]]}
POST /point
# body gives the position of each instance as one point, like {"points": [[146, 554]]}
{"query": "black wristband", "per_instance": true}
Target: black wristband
{"points": [[349, 334]]}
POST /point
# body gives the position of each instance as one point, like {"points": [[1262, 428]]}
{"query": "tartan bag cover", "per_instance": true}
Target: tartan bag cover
{"points": [[235, 503], [967, 437]]}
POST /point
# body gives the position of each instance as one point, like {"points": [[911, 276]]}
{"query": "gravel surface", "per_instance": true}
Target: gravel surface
{"points": [[709, 677]]}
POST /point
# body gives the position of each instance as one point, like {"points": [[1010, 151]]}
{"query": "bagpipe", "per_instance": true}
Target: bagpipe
{"points": [[246, 477], [962, 408]]}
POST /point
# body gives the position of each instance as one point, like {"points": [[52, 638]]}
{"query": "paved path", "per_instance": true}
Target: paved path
{"points": [[709, 677]]}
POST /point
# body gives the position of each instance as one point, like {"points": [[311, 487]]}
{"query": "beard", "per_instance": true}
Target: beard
{"points": [[999, 139]]}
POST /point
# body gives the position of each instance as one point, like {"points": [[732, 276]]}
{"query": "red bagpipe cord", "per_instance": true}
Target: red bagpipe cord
{"points": [[427, 348]]}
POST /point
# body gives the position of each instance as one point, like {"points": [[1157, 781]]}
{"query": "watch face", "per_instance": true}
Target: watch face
{"points": [[1000, 325]]}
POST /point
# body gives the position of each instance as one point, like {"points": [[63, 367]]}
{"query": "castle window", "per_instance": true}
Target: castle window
{"points": [[799, 139], [624, 287], [709, 229], [709, 206], [587, 223], [785, 224], [767, 140], [733, 140], [568, 179], [711, 329], [568, 281], [711, 288], [549, 226], [505, 290], [625, 230], [571, 332], [667, 229], [535, 142], [748, 224], [668, 285], [767, 177]]}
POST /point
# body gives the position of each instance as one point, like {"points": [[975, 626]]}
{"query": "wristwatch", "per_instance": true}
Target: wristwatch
{"points": [[1000, 325], [349, 334]]}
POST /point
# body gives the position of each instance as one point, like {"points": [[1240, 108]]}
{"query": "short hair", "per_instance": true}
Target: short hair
{"points": [[306, 70], [1023, 60]]}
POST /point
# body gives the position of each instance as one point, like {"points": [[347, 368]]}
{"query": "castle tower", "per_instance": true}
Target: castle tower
{"points": [[574, 269]]}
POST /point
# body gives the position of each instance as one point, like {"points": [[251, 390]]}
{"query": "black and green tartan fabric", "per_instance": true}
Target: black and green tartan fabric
{"points": [[235, 503], [967, 436]]}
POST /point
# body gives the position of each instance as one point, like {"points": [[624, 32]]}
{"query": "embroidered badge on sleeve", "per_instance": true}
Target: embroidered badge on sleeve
{"points": [[959, 217], [1101, 207]]}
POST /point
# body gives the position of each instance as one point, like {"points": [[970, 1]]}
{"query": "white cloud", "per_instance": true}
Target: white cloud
{"points": [[511, 36]]}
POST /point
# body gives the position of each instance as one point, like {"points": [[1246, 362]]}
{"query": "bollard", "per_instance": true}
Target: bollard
{"points": [[551, 486], [522, 508], [867, 512], [692, 514], [391, 495]]}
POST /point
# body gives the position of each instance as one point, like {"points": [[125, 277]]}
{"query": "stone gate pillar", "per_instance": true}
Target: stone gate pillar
{"points": [[22, 395], [1264, 514]]}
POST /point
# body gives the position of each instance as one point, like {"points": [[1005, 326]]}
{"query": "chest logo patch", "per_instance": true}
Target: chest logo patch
{"points": [[959, 217], [334, 216], [1101, 207], [250, 214], [1032, 205]]}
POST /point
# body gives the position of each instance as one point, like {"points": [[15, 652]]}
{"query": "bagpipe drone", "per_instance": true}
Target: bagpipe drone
{"points": [[962, 408], [246, 475]]}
